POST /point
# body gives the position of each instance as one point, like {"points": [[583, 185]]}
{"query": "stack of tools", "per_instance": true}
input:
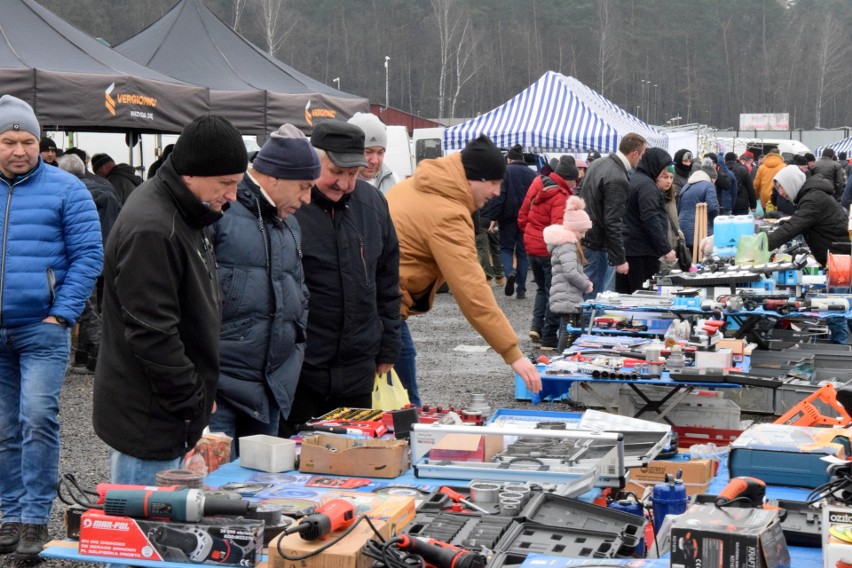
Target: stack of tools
{"points": [[367, 421]]}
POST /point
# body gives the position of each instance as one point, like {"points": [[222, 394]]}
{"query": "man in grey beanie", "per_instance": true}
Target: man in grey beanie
{"points": [[376, 173], [262, 344], [52, 253], [158, 366]]}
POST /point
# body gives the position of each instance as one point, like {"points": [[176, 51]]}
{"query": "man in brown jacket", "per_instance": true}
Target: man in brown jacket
{"points": [[432, 215]]}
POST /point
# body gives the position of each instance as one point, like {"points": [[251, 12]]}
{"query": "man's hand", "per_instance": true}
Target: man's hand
{"points": [[492, 226], [383, 368], [670, 256], [528, 373], [622, 268]]}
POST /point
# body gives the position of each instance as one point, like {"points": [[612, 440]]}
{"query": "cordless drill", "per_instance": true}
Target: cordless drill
{"points": [[333, 515], [438, 554], [187, 505], [742, 491]]}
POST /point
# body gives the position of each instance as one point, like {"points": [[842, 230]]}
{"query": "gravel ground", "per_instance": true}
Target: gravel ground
{"points": [[446, 377]]}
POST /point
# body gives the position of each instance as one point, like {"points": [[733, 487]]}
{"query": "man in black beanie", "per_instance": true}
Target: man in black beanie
{"points": [[432, 214], [158, 365]]}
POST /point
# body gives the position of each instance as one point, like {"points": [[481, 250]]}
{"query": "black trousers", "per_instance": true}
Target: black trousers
{"points": [[641, 268]]}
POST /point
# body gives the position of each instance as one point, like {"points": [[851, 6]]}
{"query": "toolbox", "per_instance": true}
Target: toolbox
{"points": [[532, 538], [585, 458], [787, 455]]}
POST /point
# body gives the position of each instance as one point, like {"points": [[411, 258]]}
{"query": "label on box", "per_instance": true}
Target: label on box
{"points": [[837, 536]]}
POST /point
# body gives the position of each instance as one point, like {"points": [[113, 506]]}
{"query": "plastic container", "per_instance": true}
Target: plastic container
{"points": [[267, 453]]}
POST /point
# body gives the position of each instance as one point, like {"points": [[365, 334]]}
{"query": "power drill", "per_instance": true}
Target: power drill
{"points": [[742, 491], [333, 515], [196, 544], [187, 505], [438, 554]]}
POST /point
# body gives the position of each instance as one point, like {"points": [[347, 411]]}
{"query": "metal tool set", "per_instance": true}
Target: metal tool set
{"points": [[366, 420]]}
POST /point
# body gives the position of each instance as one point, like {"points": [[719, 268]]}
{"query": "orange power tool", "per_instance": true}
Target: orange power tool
{"points": [[438, 554], [743, 489]]}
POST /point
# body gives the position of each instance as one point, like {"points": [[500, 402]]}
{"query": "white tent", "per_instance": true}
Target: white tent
{"points": [[557, 113]]}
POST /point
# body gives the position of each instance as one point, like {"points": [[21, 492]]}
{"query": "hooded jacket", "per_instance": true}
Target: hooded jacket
{"points": [[832, 171], [124, 179], [819, 218], [605, 188], [682, 171], [699, 189], [432, 212], [351, 262], [158, 364], [265, 311], [543, 206], [772, 164], [568, 281], [645, 220]]}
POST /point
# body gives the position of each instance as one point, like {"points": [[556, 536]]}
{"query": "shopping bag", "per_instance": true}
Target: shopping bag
{"points": [[388, 392], [753, 249], [684, 256]]}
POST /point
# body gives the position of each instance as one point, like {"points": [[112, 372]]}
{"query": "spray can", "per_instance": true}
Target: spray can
{"points": [[633, 507], [668, 498]]}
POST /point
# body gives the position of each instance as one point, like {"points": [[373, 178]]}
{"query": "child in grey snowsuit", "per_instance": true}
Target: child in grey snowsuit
{"points": [[568, 281]]}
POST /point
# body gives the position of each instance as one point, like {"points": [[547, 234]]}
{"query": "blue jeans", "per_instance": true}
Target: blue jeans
{"points": [[599, 271], [406, 365], [543, 319], [839, 329], [511, 249], [33, 359], [128, 470], [125, 469], [236, 423]]}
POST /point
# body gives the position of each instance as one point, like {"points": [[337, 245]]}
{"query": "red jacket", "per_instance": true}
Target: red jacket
{"points": [[544, 205]]}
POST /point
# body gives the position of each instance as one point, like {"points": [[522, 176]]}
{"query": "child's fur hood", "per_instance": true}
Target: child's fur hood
{"points": [[556, 235]]}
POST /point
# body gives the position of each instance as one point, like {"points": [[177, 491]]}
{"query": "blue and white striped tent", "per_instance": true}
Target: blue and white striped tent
{"points": [[557, 113], [844, 145]]}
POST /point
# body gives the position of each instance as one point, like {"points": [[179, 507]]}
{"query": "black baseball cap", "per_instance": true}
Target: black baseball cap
{"points": [[342, 142]]}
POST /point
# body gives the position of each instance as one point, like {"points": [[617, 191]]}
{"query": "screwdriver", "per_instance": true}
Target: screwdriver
{"points": [[457, 497]]}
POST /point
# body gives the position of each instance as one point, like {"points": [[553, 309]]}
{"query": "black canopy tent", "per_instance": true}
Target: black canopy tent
{"points": [[256, 92], [74, 82]]}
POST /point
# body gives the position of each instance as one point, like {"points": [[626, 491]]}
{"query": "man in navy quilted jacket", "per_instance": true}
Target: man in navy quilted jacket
{"points": [[51, 251]]}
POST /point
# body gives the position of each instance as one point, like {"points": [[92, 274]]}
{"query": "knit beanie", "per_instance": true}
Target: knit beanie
{"points": [[16, 114], [209, 146], [375, 131], [516, 152], [482, 160], [799, 160], [288, 155], [576, 219], [810, 157], [46, 144], [566, 168], [791, 179], [98, 161]]}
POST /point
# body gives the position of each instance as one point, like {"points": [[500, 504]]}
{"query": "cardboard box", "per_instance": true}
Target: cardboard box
{"points": [[706, 535], [696, 476], [339, 455], [466, 447], [215, 540], [737, 347], [836, 541], [388, 513]]}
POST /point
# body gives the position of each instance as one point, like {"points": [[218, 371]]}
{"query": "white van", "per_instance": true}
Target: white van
{"points": [[398, 155], [427, 143], [760, 146]]}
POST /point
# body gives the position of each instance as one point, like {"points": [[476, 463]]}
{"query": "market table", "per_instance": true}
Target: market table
{"points": [[801, 557]]}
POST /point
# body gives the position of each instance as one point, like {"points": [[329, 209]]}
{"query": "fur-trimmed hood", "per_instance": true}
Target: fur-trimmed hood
{"points": [[556, 235]]}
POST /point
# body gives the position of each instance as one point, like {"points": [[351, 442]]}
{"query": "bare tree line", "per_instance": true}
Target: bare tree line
{"points": [[703, 61]]}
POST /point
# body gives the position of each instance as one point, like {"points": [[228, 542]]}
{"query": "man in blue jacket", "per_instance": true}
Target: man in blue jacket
{"points": [[52, 253], [258, 247]]}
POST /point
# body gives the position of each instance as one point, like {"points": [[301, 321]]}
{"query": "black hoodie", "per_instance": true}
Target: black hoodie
{"points": [[646, 223]]}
